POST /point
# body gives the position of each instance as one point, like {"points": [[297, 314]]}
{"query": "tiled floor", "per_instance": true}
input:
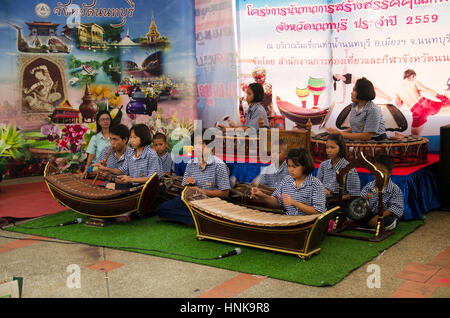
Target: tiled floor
{"points": [[417, 266], [422, 280]]}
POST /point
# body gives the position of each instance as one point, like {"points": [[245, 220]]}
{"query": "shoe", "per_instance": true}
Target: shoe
{"points": [[391, 226]]}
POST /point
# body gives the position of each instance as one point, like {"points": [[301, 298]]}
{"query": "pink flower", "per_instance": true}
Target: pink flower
{"points": [[51, 131], [62, 143]]}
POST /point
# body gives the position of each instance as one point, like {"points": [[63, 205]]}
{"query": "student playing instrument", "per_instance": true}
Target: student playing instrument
{"points": [[160, 146], [299, 192], [119, 136], [336, 152], [391, 193], [255, 95], [366, 118], [273, 174], [140, 166], [205, 173]]}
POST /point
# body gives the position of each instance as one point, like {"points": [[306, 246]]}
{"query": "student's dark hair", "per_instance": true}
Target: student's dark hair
{"points": [[160, 135], [97, 119], [364, 89], [120, 130], [258, 92], [385, 161], [340, 141], [205, 141], [302, 157], [143, 132], [408, 73]]}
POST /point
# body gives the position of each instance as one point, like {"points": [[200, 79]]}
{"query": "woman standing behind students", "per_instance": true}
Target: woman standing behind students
{"points": [[100, 140], [336, 151]]}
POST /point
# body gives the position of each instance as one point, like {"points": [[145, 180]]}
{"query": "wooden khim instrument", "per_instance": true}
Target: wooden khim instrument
{"points": [[359, 210], [241, 194], [99, 202], [220, 220]]}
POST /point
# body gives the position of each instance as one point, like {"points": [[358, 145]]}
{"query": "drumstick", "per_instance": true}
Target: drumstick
{"points": [[98, 172]]}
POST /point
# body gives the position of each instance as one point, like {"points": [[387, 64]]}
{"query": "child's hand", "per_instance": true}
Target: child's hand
{"points": [[256, 193], [123, 179], [100, 166], [287, 199], [327, 192], [190, 181], [373, 221], [110, 186]]}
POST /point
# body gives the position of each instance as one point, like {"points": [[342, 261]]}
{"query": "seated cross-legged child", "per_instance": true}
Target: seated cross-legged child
{"points": [[299, 193], [391, 195], [206, 173], [336, 151], [160, 145]]}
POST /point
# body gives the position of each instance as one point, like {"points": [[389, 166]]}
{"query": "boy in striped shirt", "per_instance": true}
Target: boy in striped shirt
{"points": [[160, 146], [206, 173], [391, 193]]}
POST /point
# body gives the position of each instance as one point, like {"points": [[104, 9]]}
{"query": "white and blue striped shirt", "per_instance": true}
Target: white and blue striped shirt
{"points": [[113, 161], [327, 175], [311, 192], [144, 166], [271, 176], [214, 176], [368, 119], [253, 114], [167, 163], [392, 198]]}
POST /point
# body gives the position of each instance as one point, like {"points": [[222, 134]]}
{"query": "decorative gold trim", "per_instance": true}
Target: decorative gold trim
{"points": [[317, 221], [143, 191], [189, 207]]}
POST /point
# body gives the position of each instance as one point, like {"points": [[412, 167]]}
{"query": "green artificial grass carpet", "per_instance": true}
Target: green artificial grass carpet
{"points": [[338, 256]]}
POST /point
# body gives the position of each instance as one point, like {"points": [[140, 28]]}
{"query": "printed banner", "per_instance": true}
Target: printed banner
{"points": [[312, 52], [63, 61], [215, 60]]}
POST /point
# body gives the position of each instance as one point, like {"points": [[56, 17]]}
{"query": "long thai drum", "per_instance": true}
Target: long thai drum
{"points": [[95, 201], [220, 220]]}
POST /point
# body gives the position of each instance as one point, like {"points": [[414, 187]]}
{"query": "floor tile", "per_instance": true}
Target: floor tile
{"points": [[418, 272], [105, 266]]}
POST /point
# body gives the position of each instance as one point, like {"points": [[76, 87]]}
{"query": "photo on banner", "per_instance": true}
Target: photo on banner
{"points": [[309, 54], [64, 61]]}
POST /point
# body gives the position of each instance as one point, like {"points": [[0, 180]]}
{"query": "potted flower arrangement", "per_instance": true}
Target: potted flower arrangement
{"points": [[68, 141]]}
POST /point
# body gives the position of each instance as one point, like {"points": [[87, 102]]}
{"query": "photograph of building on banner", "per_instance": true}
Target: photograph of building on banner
{"points": [[64, 62], [308, 55]]}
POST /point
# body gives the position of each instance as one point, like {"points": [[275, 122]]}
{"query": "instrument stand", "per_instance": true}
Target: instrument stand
{"points": [[97, 222], [380, 233], [340, 225]]}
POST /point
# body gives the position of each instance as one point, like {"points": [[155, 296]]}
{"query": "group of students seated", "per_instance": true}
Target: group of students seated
{"points": [[136, 156]]}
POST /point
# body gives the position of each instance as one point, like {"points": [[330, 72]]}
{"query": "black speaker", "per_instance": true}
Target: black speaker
{"points": [[444, 168]]}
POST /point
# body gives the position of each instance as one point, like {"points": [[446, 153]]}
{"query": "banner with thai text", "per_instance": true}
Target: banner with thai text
{"points": [[312, 52], [215, 60]]}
